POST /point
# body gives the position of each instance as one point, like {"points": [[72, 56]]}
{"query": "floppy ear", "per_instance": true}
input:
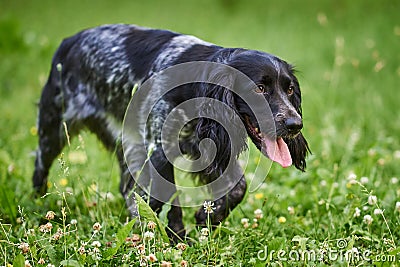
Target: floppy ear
{"points": [[298, 146], [299, 149], [212, 117]]}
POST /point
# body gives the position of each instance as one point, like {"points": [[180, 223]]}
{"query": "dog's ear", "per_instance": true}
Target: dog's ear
{"points": [[299, 149], [217, 118], [298, 146], [296, 99]]}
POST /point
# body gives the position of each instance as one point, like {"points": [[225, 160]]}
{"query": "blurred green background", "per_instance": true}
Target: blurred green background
{"points": [[347, 53]]}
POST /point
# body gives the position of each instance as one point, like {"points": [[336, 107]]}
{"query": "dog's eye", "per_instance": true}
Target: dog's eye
{"points": [[260, 89], [290, 90]]}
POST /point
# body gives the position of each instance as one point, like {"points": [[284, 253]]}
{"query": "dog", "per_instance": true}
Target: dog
{"points": [[90, 86]]}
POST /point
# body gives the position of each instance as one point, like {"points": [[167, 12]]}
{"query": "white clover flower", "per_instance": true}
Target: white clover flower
{"points": [[202, 238], [205, 231], [82, 250], [258, 214], [398, 206], [394, 180], [372, 200], [378, 211], [352, 176], [181, 246], [96, 244], [208, 207], [151, 225], [166, 264], [50, 215], [30, 232], [364, 180], [49, 226], [74, 221], [24, 247], [148, 235], [244, 220], [97, 227], [141, 249], [368, 219], [96, 254], [357, 212], [57, 235], [152, 258], [290, 210]]}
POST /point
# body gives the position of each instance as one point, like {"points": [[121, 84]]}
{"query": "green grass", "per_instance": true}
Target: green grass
{"points": [[347, 55]]}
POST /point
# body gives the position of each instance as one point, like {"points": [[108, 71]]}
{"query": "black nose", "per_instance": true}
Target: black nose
{"points": [[294, 125]]}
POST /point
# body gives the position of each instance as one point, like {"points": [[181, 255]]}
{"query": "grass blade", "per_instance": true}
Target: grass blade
{"points": [[122, 234], [148, 214]]}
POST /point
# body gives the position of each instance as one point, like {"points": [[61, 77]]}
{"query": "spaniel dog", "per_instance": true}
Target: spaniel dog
{"points": [[90, 86]]}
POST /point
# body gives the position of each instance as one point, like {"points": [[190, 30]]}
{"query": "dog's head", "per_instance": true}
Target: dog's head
{"points": [[274, 80]]}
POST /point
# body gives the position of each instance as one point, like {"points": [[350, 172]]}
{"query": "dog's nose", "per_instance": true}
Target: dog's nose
{"points": [[294, 125]]}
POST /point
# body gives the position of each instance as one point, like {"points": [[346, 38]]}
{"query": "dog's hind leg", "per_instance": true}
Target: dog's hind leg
{"points": [[226, 203], [51, 136]]}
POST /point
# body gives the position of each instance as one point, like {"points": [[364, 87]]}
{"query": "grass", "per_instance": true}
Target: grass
{"points": [[347, 56]]}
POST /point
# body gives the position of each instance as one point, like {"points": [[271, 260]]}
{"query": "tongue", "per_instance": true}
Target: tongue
{"points": [[278, 151]]}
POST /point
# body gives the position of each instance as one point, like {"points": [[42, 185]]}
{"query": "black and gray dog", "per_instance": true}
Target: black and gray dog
{"points": [[90, 86]]}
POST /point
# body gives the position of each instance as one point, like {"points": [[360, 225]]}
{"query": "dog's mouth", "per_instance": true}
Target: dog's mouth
{"points": [[275, 148]]}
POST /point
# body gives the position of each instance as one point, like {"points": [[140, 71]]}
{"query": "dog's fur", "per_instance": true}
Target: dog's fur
{"points": [[90, 85]]}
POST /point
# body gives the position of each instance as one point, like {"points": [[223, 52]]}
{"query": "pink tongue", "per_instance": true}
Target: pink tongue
{"points": [[278, 151]]}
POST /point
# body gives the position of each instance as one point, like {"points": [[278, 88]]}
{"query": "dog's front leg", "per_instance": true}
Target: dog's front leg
{"points": [[226, 203]]}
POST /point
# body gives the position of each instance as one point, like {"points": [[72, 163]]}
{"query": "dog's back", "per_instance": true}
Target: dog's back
{"points": [[91, 80]]}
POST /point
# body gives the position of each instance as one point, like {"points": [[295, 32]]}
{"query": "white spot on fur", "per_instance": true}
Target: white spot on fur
{"points": [[174, 49], [114, 127]]}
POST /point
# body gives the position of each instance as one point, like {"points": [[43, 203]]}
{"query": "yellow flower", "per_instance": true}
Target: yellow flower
{"points": [[281, 219], [259, 196], [63, 181], [33, 131]]}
